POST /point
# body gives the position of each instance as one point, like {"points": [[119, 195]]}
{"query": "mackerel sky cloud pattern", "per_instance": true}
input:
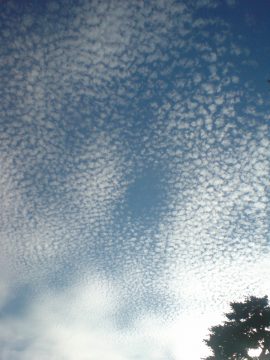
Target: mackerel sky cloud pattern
{"points": [[135, 163]]}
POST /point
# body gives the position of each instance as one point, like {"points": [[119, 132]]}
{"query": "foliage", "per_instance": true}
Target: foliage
{"points": [[247, 327]]}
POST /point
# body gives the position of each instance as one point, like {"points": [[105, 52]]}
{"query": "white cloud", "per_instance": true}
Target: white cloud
{"points": [[97, 95], [78, 323]]}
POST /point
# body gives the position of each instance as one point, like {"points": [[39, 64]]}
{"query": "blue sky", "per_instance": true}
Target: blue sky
{"points": [[134, 188]]}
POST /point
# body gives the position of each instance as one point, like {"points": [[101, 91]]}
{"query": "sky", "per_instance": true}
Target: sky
{"points": [[134, 187]]}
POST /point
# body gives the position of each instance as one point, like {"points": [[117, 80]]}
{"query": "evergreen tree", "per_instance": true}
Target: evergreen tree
{"points": [[247, 327]]}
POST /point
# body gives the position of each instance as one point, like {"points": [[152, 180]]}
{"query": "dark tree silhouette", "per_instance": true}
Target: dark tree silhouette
{"points": [[247, 327]]}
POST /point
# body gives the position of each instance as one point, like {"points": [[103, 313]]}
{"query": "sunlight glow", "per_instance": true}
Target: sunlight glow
{"points": [[254, 352]]}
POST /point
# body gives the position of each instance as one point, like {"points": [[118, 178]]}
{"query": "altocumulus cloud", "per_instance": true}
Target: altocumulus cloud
{"points": [[79, 322], [134, 189]]}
